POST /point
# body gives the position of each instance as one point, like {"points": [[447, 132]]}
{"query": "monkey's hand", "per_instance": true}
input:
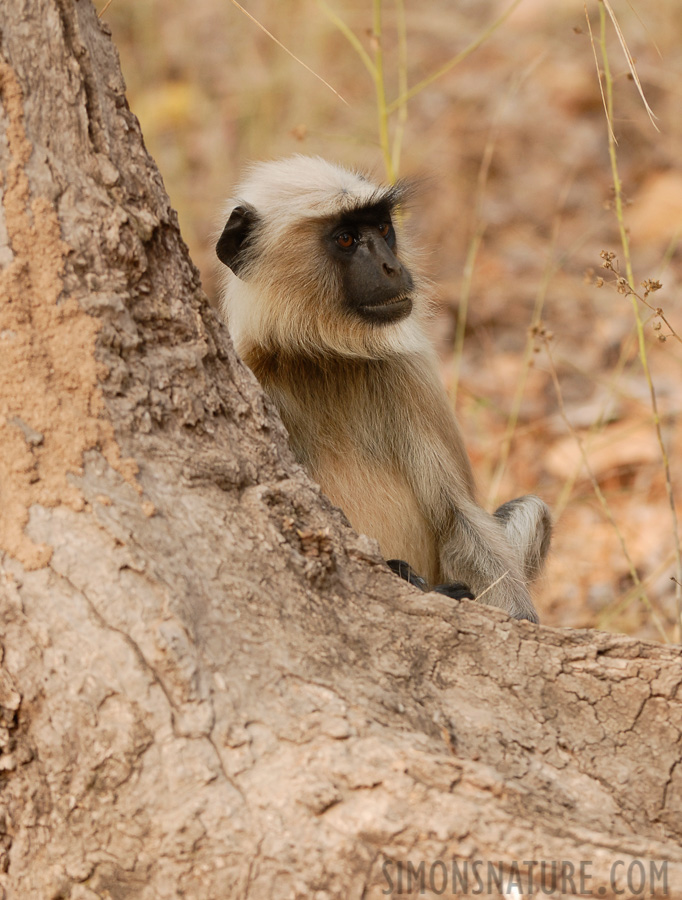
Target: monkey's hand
{"points": [[455, 589], [404, 570]]}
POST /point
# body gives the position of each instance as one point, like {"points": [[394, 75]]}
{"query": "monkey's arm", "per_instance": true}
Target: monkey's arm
{"points": [[495, 555]]}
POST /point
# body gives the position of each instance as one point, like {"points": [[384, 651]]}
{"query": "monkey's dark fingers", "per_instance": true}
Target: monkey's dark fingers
{"points": [[405, 571], [454, 589]]}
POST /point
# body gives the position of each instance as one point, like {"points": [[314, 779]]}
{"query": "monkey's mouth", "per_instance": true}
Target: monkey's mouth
{"points": [[386, 311]]}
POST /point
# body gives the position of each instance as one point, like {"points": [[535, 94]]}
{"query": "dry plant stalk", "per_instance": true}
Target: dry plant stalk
{"points": [[628, 283], [375, 67], [545, 337], [286, 50]]}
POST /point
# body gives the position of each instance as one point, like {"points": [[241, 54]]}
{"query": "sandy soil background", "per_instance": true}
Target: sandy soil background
{"points": [[511, 146]]}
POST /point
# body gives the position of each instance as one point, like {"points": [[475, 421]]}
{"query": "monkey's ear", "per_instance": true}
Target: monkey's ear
{"points": [[235, 237]]}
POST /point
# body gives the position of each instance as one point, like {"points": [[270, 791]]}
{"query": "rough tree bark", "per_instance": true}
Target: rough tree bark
{"points": [[211, 687]]}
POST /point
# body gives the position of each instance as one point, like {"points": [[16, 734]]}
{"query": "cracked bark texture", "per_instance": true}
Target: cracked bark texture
{"points": [[210, 686]]}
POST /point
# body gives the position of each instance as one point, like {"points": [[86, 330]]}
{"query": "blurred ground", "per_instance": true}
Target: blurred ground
{"points": [[212, 91]]}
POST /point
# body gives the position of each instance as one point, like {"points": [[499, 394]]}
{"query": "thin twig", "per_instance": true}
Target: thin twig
{"points": [[350, 36], [625, 245], [402, 85], [630, 61], [617, 606], [380, 88], [474, 45], [600, 495], [286, 50], [491, 586], [463, 309], [512, 421], [599, 81], [597, 425]]}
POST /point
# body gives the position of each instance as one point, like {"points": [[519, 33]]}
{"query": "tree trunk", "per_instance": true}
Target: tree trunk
{"points": [[211, 687]]}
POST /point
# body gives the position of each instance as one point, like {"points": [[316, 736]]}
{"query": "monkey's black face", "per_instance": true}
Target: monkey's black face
{"points": [[376, 285]]}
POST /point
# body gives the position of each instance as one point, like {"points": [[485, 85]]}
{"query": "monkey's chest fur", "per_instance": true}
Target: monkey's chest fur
{"points": [[379, 501], [352, 424]]}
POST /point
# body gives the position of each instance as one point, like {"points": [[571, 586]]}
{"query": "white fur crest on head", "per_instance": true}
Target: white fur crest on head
{"points": [[284, 297], [299, 182]]}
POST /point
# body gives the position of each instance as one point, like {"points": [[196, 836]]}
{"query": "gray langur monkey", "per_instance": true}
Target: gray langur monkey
{"points": [[325, 305]]}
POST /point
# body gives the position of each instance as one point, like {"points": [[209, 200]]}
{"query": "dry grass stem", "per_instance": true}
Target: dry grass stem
{"points": [[630, 282], [450, 64], [630, 60], [286, 50], [599, 494]]}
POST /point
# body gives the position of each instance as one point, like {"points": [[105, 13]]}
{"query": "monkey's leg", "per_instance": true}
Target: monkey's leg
{"points": [[528, 528], [527, 525], [479, 552]]}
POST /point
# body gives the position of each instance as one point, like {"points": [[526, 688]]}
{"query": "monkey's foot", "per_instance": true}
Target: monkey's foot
{"points": [[455, 589]]}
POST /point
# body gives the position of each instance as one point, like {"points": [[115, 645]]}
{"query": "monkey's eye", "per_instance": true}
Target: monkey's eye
{"points": [[384, 229], [345, 240]]}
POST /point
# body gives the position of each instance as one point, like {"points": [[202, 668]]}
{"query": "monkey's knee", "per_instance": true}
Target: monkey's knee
{"points": [[528, 528]]}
